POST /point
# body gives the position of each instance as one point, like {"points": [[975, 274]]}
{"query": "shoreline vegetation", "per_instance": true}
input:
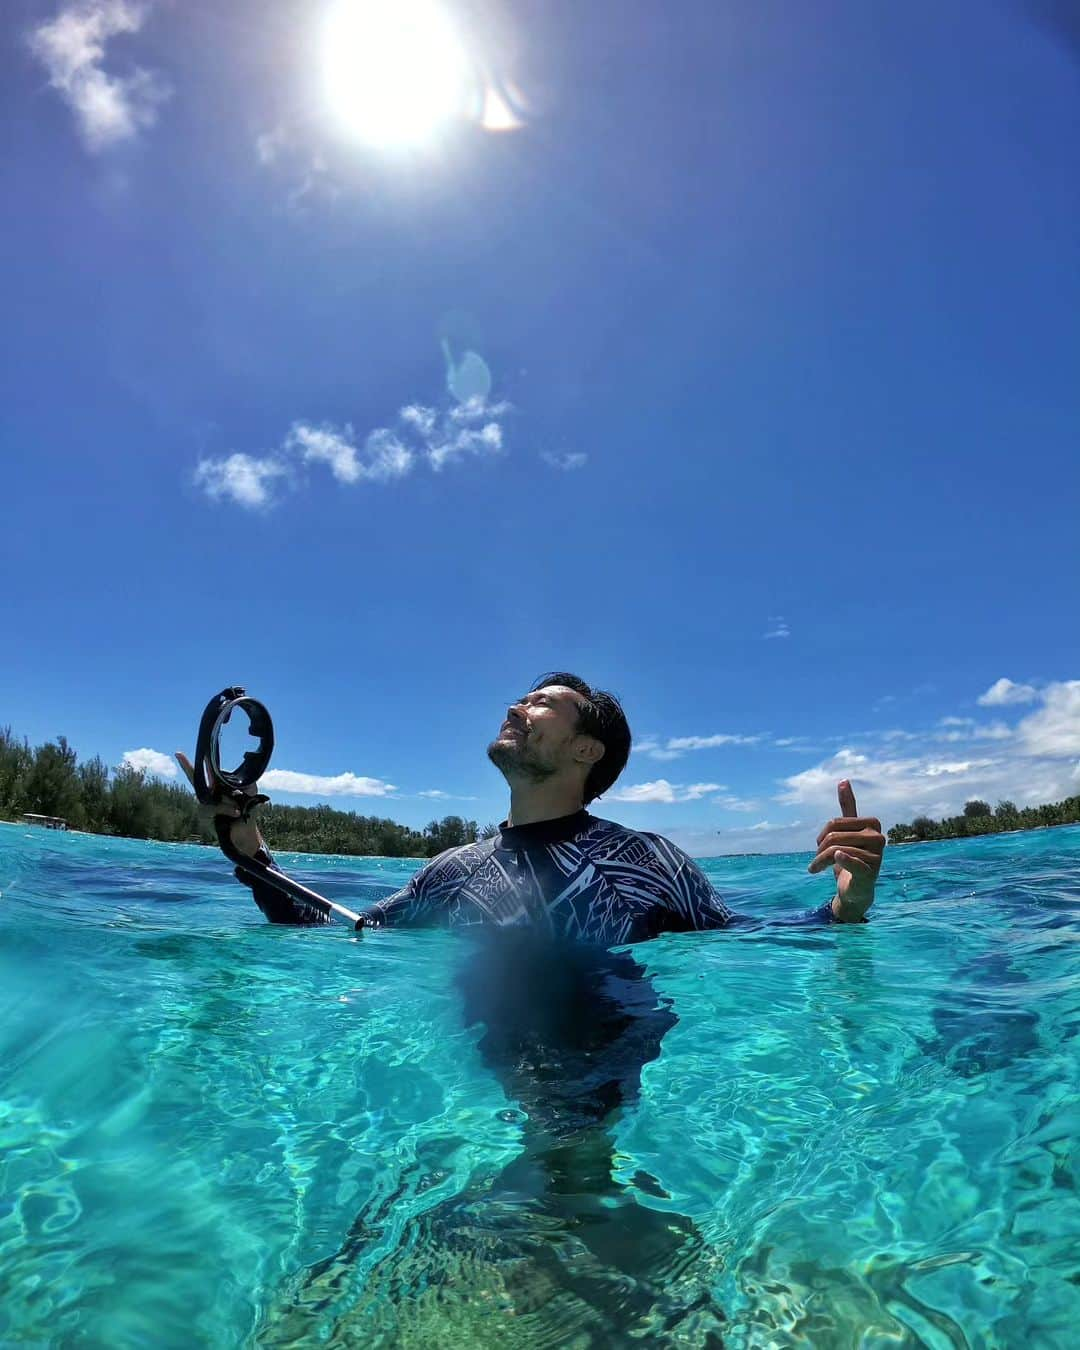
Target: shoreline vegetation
{"points": [[979, 818], [128, 803], [124, 802]]}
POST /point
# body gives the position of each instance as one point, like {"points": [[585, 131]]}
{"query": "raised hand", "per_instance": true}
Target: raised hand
{"points": [[245, 833], [854, 845]]}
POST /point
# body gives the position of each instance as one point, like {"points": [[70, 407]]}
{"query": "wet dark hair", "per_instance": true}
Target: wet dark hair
{"points": [[600, 716]]}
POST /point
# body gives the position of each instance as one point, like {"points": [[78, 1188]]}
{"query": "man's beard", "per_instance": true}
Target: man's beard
{"points": [[515, 760]]}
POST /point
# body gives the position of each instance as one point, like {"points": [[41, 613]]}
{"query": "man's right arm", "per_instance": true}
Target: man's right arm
{"points": [[244, 836], [404, 908]]}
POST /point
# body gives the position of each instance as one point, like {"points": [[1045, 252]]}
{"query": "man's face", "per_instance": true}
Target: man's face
{"points": [[540, 735]]}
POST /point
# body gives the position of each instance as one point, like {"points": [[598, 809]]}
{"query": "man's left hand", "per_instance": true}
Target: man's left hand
{"points": [[853, 844]]}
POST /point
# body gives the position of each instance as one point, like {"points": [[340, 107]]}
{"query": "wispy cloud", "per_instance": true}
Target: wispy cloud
{"points": [[383, 456], [1003, 693], [764, 837], [730, 803], [674, 747], [318, 785], [1036, 761], [990, 731], [435, 436], [153, 762], [662, 791], [243, 479], [573, 459], [469, 428], [778, 627], [109, 109], [897, 774], [438, 795]]}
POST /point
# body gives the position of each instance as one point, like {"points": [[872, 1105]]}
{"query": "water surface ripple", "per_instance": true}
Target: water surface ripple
{"points": [[216, 1132]]}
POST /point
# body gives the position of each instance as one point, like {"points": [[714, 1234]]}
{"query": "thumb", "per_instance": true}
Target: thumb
{"points": [[186, 765], [846, 798]]}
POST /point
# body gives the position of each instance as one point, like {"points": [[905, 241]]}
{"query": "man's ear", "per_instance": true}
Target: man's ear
{"points": [[588, 750]]}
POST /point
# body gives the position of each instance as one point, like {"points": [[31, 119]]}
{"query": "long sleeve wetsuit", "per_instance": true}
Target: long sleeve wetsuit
{"points": [[574, 877]]}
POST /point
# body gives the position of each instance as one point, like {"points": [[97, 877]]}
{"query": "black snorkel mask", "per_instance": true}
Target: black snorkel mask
{"points": [[214, 785]]}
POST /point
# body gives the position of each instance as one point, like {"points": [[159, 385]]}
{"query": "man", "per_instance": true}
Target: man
{"points": [[567, 1026], [555, 868]]}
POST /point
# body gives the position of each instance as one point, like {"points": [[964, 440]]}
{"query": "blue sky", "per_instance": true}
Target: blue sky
{"points": [[726, 353]]}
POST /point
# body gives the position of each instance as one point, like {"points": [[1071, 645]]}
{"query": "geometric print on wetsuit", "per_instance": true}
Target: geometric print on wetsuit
{"points": [[577, 878]]}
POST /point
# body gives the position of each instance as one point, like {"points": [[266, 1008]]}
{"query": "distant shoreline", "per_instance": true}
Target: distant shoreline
{"points": [[952, 838]]}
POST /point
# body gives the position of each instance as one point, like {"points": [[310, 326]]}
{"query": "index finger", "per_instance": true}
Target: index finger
{"points": [[846, 798]]}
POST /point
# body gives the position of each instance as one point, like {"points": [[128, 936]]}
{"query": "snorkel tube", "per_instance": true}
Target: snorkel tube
{"points": [[213, 785]]}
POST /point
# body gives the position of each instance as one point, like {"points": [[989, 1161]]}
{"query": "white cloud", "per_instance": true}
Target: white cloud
{"points": [[731, 803], [659, 752], [1035, 763], [573, 459], [329, 446], [153, 762], [485, 440], [677, 746], [1054, 731], [423, 420], [955, 766], [383, 457], [778, 627], [109, 109], [709, 742], [387, 453], [437, 794], [899, 774], [477, 408], [244, 479], [967, 730], [660, 790], [1002, 693], [317, 785], [472, 427]]}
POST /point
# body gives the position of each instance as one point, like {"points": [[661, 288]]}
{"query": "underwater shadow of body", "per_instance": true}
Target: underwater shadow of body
{"points": [[553, 1250]]}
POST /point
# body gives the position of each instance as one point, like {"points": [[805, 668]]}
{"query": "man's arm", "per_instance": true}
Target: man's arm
{"points": [[709, 911], [853, 844], [245, 838]]}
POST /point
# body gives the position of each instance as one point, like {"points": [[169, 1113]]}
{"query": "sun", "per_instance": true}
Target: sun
{"points": [[394, 71]]}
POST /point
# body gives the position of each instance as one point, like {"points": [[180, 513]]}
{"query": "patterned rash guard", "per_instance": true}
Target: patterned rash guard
{"points": [[576, 877]]}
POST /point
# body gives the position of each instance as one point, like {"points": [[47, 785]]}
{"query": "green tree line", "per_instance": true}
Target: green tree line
{"points": [[50, 781], [979, 818]]}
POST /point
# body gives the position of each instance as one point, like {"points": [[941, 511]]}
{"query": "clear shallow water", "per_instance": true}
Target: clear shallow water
{"points": [[215, 1132]]}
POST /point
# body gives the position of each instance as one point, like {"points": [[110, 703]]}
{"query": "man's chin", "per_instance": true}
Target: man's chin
{"points": [[513, 760], [504, 752]]}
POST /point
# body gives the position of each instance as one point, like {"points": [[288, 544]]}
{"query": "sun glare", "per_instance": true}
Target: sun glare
{"points": [[395, 70]]}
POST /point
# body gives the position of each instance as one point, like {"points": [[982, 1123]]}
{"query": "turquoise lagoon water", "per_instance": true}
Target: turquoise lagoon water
{"points": [[216, 1132]]}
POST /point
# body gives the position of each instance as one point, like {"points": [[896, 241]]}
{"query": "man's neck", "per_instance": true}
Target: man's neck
{"points": [[531, 802]]}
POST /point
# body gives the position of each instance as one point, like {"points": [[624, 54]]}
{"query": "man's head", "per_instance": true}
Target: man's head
{"points": [[564, 728]]}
